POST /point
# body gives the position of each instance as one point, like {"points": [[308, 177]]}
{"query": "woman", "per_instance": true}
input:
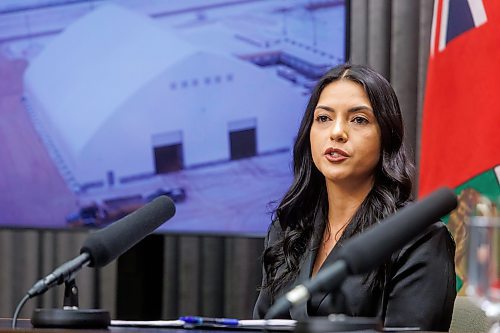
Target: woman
{"points": [[351, 171]]}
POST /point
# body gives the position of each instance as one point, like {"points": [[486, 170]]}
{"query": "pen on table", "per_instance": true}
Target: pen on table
{"points": [[205, 320]]}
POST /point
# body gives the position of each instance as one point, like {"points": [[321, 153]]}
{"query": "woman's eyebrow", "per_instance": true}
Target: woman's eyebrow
{"points": [[353, 109]]}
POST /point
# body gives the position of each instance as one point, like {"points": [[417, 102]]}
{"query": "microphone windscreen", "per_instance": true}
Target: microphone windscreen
{"points": [[109, 243], [370, 249]]}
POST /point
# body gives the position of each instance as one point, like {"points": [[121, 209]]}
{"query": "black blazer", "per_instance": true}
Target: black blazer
{"points": [[419, 289]]}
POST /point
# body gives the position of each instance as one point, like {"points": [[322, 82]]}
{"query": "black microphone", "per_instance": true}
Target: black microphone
{"points": [[368, 250], [99, 249], [105, 245]]}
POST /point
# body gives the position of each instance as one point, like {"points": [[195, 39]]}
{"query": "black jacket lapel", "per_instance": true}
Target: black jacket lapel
{"points": [[300, 312]]}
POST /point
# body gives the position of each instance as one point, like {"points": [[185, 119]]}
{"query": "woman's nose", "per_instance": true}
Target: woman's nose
{"points": [[338, 132]]}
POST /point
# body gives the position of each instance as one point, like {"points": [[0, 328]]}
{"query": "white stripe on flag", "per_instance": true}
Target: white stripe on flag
{"points": [[478, 12], [433, 27], [444, 24]]}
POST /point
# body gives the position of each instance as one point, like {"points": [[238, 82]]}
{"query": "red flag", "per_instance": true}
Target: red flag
{"points": [[461, 119]]}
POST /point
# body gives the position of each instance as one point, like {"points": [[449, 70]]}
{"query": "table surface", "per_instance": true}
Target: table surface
{"points": [[24, 325]]}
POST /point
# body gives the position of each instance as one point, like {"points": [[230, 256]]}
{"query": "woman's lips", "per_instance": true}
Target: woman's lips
{"points": [[336, 155]]}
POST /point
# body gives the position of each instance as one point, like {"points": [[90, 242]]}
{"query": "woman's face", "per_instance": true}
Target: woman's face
{"points": [[345, 135]]}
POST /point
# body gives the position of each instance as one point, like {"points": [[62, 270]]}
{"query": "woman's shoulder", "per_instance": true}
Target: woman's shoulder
{"points": [[435, 233], [432, 241]]}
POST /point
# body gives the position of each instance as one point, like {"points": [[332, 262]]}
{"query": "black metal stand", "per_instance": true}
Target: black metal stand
{"points": [[70, 295], [70, 316]]}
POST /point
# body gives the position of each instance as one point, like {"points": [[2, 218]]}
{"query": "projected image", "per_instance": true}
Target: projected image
{"points": [[105, 105]]}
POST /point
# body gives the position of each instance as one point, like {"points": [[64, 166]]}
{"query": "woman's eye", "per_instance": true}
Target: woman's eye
{"points": [[360, 120], [322, 118]]}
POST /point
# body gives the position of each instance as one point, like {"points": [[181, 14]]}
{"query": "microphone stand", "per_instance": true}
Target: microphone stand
{"points": [[70, 316], [338, 323]]}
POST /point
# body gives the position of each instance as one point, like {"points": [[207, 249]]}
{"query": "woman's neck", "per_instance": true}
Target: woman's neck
{"points": [[344, 201]]}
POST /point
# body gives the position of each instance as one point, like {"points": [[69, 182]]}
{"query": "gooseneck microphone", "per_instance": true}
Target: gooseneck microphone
{"points": [[368, 250], [105, 245]]}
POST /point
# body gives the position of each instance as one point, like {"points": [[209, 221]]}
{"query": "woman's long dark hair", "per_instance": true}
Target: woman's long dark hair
{"points": [[307, 195]]}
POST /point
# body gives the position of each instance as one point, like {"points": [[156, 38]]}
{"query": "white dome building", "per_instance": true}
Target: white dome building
{"points": [[116, 98]]}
